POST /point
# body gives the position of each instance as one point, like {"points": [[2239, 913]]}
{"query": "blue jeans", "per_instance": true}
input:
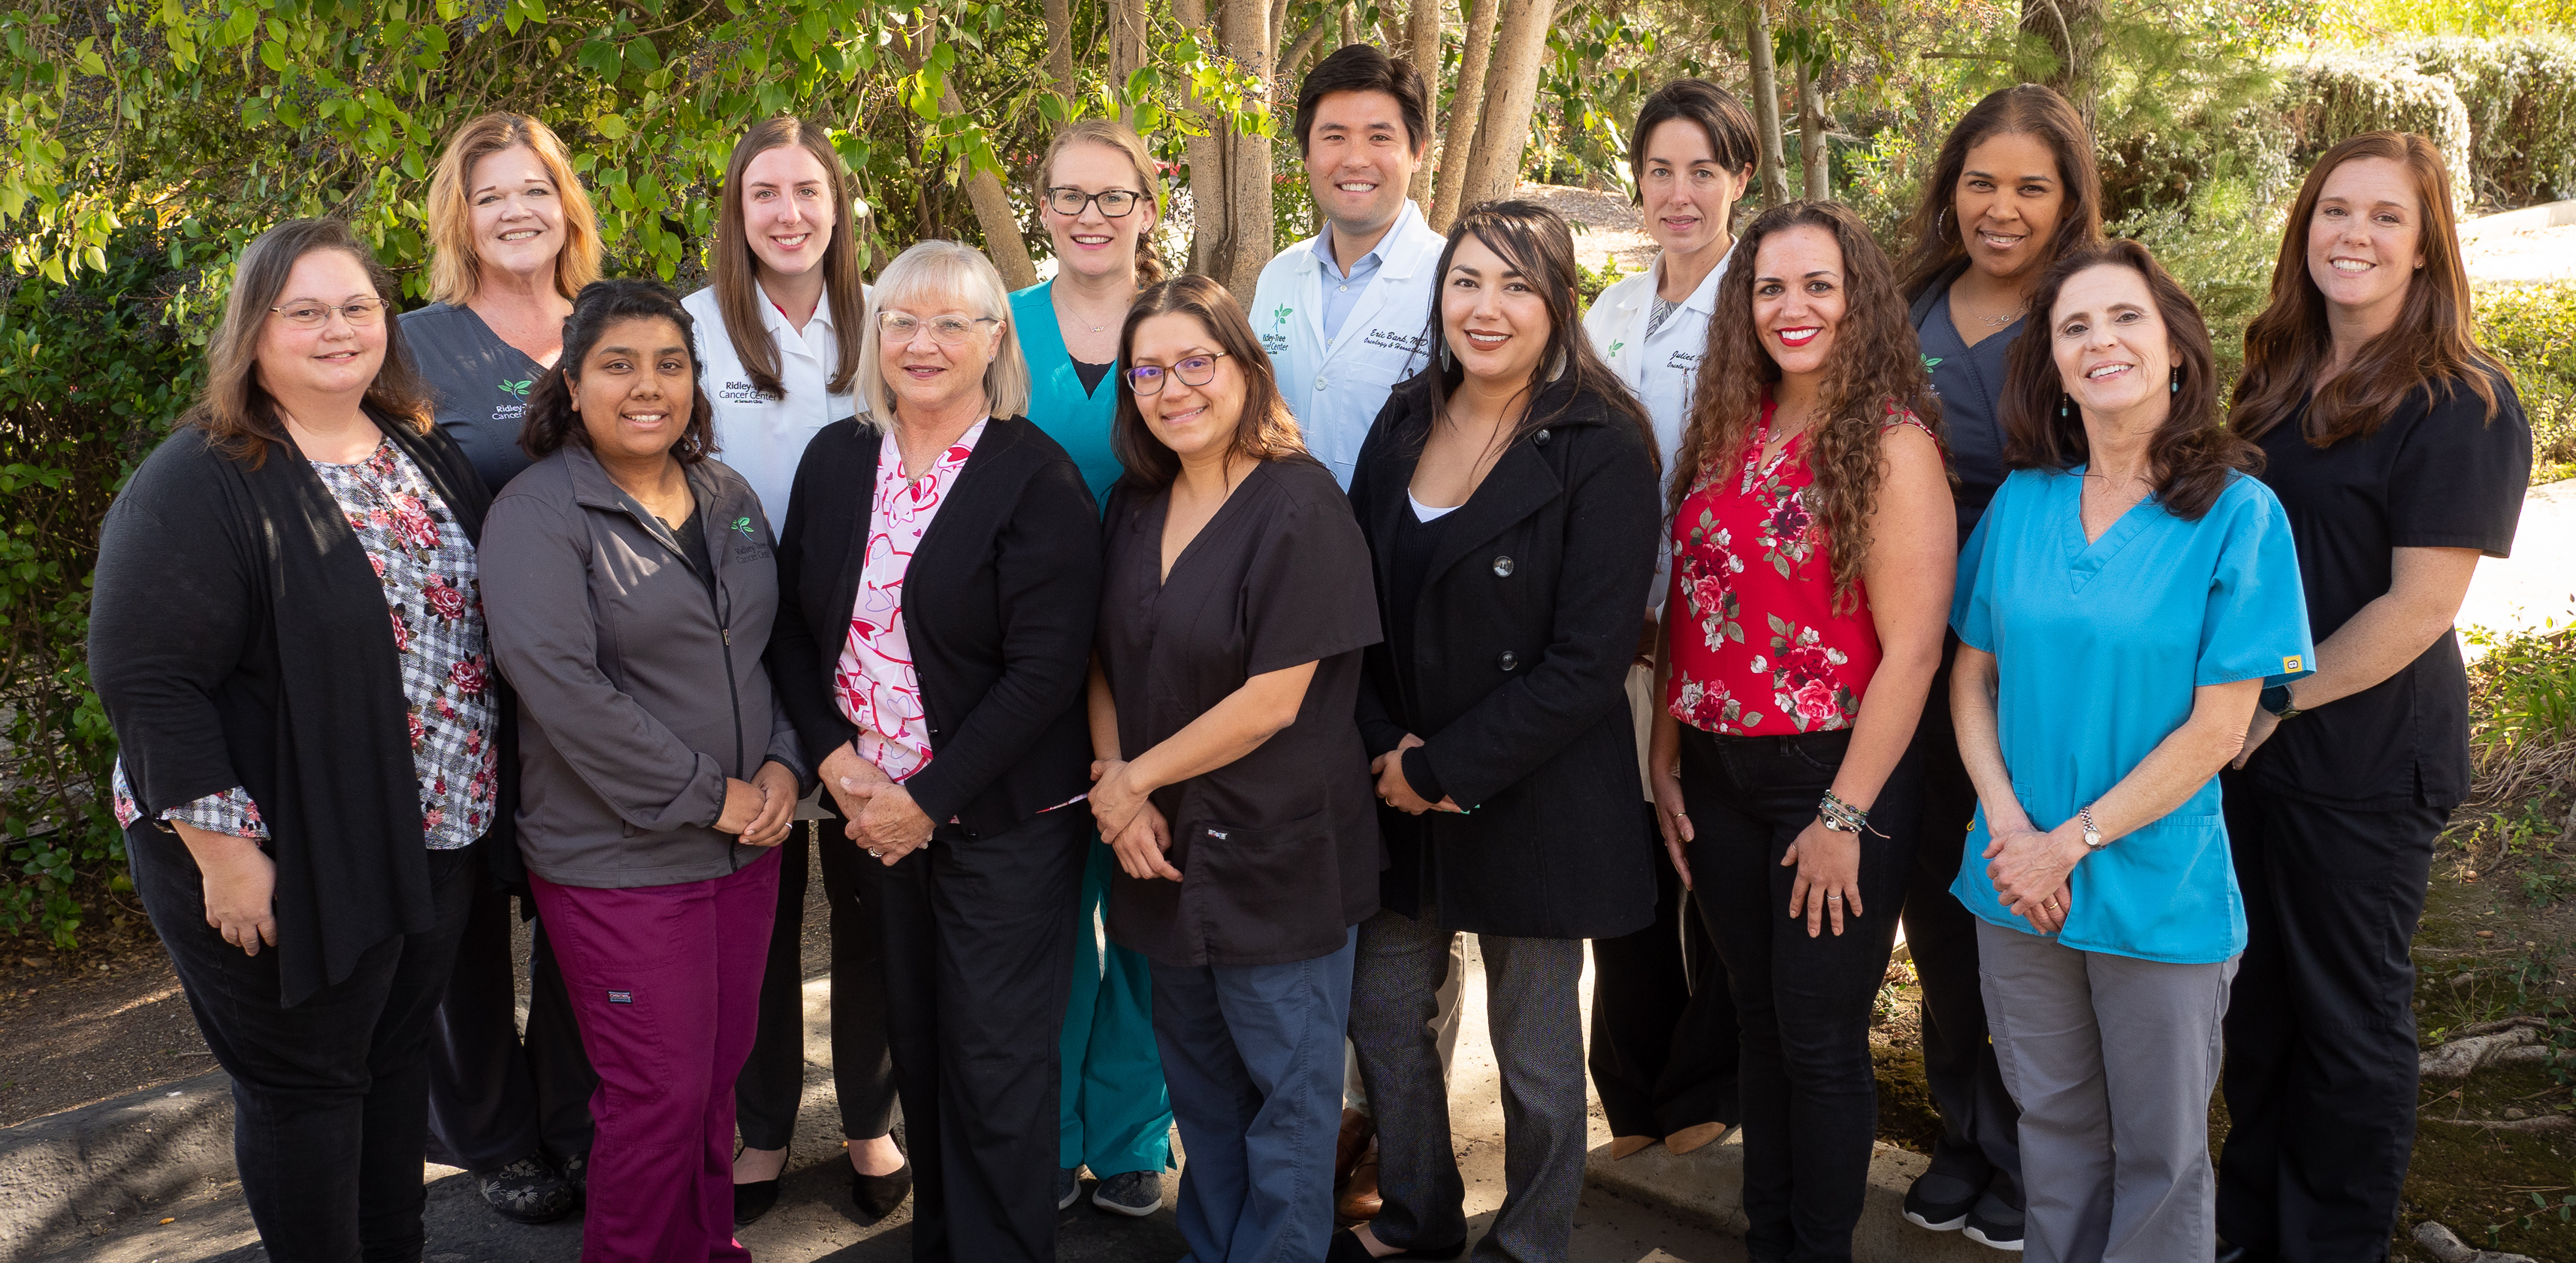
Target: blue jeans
{"points": [[1253, 1056]]}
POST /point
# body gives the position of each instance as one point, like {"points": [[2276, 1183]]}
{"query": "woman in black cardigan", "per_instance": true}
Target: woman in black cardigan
{"points": [[939, 577], [285, 631], [1508, 497]]}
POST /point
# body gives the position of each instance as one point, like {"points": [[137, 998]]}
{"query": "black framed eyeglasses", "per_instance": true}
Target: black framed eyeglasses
{"points": [[1114, 203], [1196, 370]]}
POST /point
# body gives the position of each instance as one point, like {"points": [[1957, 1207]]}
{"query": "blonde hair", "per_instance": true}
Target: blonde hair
{"points": [[455, 269], [948, 270], [1109, 133]]}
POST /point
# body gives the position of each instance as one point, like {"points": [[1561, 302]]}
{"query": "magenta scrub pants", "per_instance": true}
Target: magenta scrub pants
{"points": [[666, 983]]}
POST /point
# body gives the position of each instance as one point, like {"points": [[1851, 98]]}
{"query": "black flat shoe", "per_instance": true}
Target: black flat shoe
{"points": [[752, 1200], [877, 1196], [1345, 1247]]}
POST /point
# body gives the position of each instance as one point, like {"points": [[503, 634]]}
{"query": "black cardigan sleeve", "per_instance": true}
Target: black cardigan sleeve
{"points": [[795, 654], [1048, 567], [171, 610], [1380, 730], [1609, 559]]}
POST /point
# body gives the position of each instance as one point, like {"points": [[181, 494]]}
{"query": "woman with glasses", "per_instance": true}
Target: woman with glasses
{"points": [[941, 704], [1100, 201], [1231, 781], [287, 634], [780, 327]]}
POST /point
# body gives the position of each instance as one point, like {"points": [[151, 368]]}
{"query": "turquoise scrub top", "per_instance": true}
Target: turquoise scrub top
{"points": [[2098, 647], [1076, 419]]}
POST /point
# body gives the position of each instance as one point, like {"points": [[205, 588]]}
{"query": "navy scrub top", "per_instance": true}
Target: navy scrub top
{"points": [[479, 384], [1970, 382], [2098, 647], [1076, 417]]}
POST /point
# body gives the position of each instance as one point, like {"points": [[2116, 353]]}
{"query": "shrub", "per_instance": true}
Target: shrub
{"points": [[2533, 330], [2520, 92], [2221, 249], [2331, 96]]}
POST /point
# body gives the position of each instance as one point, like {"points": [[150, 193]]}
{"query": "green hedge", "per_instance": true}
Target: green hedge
{"points": [[2533, 330], [2520, 94], [2332, 96]]}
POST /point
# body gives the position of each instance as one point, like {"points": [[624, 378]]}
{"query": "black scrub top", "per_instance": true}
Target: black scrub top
{"points": [[479, 383], [1278, 851], [1970, 382], [2438, 474]]}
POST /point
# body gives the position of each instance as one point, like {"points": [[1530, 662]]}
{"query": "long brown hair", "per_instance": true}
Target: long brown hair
{"points": [[2433, 346], [552, 420], [1110, 134], [737, 270], [2027, 109], [455, 270], [1265, 431], [236, 412], [1533, 241], [1874, 368], [2191, 456]]}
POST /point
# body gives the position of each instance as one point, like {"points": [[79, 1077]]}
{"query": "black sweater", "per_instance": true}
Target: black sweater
{"points": [[238, 637], [998, 605]]}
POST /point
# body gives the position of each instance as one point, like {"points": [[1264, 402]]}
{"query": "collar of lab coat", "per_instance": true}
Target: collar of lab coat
{"points": [[1391, 263], [785, 334]]}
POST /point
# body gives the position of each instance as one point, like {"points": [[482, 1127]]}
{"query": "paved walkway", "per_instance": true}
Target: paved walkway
{"points": [[2536, 587]]}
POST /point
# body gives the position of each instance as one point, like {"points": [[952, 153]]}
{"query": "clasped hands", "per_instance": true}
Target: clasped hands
{"points": [[1122, 805], [2029, 869], [760, 810], [882, 816], [1395, 791]]}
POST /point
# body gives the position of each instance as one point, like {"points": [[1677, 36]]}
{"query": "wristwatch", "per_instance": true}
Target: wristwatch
{"points": [[2092, 836], [2276, 699]]}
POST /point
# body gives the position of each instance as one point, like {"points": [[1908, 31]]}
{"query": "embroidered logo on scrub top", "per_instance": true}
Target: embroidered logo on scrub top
{"points": [[743, 524], [1614, 349], [621, 997], [1931, 362], [2292, 665], [518, 390]]}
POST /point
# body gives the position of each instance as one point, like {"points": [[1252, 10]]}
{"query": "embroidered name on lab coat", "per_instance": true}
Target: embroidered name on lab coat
{"points": [[738, 392]]}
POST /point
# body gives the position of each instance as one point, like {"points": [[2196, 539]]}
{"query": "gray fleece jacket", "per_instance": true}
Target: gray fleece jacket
{"points": [[640, 690]]}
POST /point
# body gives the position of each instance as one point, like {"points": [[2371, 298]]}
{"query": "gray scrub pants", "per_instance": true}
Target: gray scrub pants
{"points": [[2094, 1046]]}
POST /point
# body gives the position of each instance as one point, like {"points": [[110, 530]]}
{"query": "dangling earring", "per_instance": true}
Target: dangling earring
{"points": [[1444, 356], [2063, 402], [2176, 387]]}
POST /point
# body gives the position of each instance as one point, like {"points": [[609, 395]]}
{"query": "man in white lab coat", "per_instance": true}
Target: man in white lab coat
{"points": [[1345, 314]]}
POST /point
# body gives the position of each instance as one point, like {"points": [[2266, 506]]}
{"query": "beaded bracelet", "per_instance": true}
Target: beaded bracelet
{"points": [[1842, 817]]}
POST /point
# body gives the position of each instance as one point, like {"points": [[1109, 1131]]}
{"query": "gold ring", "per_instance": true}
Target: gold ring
{"points": [[2049, 904]]}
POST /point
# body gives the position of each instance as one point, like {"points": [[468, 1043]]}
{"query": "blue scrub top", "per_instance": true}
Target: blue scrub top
{"points": [[1076, 419], [2098, 647]]}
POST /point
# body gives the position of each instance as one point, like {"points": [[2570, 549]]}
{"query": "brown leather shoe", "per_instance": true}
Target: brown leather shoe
{"points": [[1359, 1201], [1357, 1130]]}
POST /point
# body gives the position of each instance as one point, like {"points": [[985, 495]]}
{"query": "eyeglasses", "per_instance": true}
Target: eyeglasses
{"points": [[357, 311], [1114, 203], [1197, 370], [900, 327]]}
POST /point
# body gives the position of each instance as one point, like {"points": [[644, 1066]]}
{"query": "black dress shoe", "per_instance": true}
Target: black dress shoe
{"points": [[878, 1195], [2242, 1254], [1345, 1247], [752, 1200]]}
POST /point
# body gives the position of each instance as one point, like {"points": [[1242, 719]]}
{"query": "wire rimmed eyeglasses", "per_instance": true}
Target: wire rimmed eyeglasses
{"points": [[900, 327], [1195, 370], [1114, 203], [357, 311]]}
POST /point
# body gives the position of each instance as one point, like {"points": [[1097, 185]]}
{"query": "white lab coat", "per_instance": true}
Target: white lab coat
{"points": [[1661, 369], [1336, 386], [759, 437]]}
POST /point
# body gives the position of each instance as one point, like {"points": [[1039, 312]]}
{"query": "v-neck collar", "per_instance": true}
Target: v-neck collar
{"points": [[1163, 514], [2085, 559]]}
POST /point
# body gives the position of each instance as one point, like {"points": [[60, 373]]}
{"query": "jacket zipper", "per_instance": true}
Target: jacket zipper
{"points": [[724, 625]]}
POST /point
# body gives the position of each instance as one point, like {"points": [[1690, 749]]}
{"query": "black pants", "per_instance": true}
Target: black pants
{"points": [[330, 1097], [2320, 1074], [1803, 1004], [1663, 1023], [495, 1098], [1980, 1125], [977, 953], [773, 1081]]}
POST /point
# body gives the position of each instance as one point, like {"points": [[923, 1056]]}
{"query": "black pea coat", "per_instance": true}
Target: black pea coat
{"points": [[1523, 634]]}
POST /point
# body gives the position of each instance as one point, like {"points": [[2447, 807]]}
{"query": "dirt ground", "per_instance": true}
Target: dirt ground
{"points": [[87, 1025]]}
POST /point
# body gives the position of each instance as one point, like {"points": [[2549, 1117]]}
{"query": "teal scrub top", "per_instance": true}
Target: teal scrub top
{"points": [[2097, 648], [1078, 420]]}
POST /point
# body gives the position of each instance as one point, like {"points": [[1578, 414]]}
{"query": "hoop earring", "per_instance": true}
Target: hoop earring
{"points": [[1941, 222]]}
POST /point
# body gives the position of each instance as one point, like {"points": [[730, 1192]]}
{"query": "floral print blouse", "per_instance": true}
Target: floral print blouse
{"points": [[1757, 646], [874, 681], [435, 602]]}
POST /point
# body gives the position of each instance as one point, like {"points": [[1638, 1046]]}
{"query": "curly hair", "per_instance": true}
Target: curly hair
{"points": [[1873, 369], [2192, 456]]}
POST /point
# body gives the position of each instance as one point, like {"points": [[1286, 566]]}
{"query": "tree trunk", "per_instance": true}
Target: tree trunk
{"points": [[1230, 172], [1128, 24], [1002, 241], [2072, 29], [1422, 40], [1774, 176], [1350, 24], [1511, 92], [1466, 107], [1059, 53], [1815, 149], [1294, 59]]}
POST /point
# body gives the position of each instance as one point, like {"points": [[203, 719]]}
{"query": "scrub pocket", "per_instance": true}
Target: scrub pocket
{"points": [[2165, 887], [1271, 894]]}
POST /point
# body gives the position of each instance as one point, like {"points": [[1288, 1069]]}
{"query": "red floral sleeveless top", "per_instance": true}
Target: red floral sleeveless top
{"points": [[1757, 648]]}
